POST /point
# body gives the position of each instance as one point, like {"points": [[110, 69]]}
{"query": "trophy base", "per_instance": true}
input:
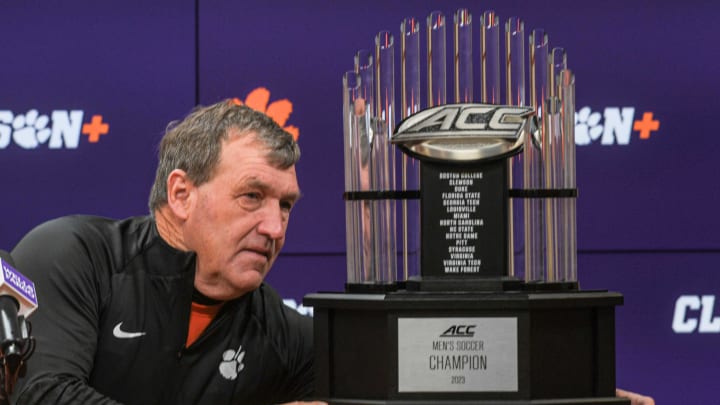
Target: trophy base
{"points": [[465, 347], [557, 286], [369, 288], [440, 284]]}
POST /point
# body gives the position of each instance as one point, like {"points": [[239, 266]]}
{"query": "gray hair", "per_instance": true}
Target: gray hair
{"points": [[194, 144]]}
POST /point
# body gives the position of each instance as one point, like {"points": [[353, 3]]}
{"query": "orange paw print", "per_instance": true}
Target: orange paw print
{"points": [[279, 110]]}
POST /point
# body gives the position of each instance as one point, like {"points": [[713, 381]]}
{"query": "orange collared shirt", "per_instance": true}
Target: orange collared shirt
{"points": [[200, 318]]}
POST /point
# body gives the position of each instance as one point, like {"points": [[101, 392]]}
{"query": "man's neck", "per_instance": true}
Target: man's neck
{"points": [[202, 299], [169, 229]]}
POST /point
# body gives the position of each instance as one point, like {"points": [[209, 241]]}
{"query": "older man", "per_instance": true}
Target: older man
{"points": [[171, 308]]}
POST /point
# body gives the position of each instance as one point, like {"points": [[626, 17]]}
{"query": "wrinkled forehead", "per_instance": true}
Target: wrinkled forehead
{"points": [[250, 142], [265, 143], [247, 148]]}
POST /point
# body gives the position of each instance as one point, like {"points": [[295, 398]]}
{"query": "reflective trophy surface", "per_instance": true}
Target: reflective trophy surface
{"points": [[476, 300]]}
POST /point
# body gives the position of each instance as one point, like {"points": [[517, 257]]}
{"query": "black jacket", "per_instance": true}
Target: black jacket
{"points": [[114, 304]]}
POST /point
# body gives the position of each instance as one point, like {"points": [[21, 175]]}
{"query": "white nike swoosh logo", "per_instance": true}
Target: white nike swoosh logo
{"points": [[121, 334]]}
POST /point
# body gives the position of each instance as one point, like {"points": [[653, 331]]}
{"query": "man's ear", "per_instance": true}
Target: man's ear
{"points": [[179, 193]]}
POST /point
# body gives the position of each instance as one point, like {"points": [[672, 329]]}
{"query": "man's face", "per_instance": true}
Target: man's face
{"points": [[237, 220]]}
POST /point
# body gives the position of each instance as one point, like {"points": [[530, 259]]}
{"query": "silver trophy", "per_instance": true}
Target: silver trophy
{"points": [[476, 299], [541, 236]]}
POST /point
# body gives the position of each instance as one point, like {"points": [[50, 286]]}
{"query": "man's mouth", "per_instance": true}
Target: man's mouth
{"points": [[262, 252]]}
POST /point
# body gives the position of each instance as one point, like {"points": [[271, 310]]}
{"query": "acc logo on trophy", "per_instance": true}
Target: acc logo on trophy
{"points": [[459, 331], [464, 132]]}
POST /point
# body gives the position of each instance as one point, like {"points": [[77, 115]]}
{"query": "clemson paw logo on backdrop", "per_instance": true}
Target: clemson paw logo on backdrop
{"points": [[278, 110]]}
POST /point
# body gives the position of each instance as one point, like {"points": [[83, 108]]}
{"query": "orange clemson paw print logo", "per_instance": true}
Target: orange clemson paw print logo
{"points": [[279, 110]]}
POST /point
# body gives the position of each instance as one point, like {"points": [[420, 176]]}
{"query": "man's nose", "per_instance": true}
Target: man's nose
{"points": [[272, 221]]}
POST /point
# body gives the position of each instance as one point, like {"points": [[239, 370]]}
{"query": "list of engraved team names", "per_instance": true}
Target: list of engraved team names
{"points": [[460, 222]]}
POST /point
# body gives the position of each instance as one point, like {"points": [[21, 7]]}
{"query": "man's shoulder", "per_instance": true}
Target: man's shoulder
{"points": [[98, 239], [89, 223], [90, 227], [69, 223]]}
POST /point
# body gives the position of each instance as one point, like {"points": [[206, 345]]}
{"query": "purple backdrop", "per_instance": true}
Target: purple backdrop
{"points": [[646, 222], [131, 63]]}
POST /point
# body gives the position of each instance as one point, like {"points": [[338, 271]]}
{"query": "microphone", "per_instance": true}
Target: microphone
{"points": [[17, 286], [17, 301]]}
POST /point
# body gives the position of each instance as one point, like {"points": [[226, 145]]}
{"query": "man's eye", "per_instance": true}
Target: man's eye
{"points": [[251, 197], [286, 205]]}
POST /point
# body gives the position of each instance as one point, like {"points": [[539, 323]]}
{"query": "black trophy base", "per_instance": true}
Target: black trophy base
{"points": [[446, 348], [444, 284]]}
